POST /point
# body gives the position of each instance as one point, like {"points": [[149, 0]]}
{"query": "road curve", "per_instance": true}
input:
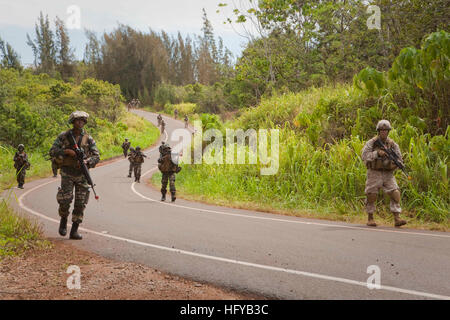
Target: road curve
{"points": [[277, 256]]}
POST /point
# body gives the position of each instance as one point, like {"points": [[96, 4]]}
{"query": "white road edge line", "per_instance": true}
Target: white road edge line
{"points": [[276, 219], [215, 258], [243, 263]]}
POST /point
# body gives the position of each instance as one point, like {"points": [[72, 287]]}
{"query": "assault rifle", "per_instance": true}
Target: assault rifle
{"points": [[81, 156], [392, 156]]}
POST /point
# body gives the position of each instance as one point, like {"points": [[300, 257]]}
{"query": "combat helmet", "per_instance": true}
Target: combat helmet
{"points": [[78, 115], [138, 149], [20, 146], [384, 125]]}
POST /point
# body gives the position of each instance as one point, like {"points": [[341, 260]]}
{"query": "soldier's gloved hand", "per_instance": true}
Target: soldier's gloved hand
{"points": [[381, 153], [70, 152]]}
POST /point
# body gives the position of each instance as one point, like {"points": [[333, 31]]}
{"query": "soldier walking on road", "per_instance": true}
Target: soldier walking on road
{"points": [[159, 120], [71, 174], [125, 146], [163, 126], [131, 160], [175, 112], [54, 168], [186, 121], [21, 164], [138, 160], [168, 169], [380, 173]]}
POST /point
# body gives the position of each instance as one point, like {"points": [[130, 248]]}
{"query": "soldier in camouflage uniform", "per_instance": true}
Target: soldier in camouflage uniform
{"points": [[131, 160], [163, 126], [175, 113], [21, 164], [380, 174], [168, 169], [138, 160], [71, 174], [54, 168], [125, 147], [159, 119]]}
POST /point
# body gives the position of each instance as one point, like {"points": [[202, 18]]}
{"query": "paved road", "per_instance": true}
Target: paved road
{"points": [[277, 256]]}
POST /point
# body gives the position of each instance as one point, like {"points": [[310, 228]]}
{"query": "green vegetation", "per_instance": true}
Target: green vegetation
{"points": [[18, 234], [34, 109], [322, 133]]}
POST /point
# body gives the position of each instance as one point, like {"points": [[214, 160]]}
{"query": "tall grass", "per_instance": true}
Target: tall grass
{"points": [[18, 233], [322, 135]]}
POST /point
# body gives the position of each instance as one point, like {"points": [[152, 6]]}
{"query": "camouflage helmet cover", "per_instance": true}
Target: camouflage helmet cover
{"points": [[138, 148], [78, 115], [384, 125], [20, 146]]}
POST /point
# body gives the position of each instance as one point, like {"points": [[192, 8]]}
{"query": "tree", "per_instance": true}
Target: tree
{"points": [[43, 46], [65, 57], [9, 57]]}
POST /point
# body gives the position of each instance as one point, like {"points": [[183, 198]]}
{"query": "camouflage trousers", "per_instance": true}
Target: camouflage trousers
{"points": [[65, 196], [131, 169], [137, 171], [20, 173], [168, 177], [125, 153], [382, 180]]}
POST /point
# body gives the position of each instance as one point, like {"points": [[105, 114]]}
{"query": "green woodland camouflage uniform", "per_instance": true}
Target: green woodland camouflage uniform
{"points": [[21, 164], [54, 168], [138, 160], [71, 175], [131, 159], [168, 170], [125, 146], [380, 175]]}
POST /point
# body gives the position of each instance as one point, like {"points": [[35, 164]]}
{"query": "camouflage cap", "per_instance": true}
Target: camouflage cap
{"points": [[78, 115], [384, 125]]}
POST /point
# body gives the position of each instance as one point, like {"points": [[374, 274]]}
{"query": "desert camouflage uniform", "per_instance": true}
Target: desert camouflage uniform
{"points": [[71, 175]]}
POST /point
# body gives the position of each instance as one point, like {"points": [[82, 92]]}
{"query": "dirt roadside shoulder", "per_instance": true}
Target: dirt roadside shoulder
{"points": [[41, 275]]}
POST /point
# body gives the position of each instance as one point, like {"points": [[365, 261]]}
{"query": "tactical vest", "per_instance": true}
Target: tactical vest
{"points": [[166, 164], [72, 162], [382, 163], [138, 158]]}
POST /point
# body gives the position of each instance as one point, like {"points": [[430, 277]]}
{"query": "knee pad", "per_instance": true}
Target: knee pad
{"points": [[371, 198], [395, 195]]}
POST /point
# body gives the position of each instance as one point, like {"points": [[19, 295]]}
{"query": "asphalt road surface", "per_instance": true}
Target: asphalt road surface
{"points": [[277, 256]]}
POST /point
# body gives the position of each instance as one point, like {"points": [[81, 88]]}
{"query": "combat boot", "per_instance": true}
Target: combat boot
{"points": [[371, 222], [63, 227], [173, 197], [74, 235], [163, 198], [398, 222], [129, 175]]}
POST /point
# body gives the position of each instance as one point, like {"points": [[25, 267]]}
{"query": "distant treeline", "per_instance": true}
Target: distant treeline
{"points": [[295, 44]]}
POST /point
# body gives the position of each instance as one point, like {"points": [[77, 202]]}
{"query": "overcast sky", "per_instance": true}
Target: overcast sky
{"points": [[18, 17]]}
